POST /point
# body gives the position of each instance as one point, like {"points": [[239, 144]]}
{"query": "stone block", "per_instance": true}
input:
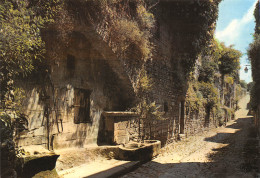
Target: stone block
{"points": [[121, 125], [31, 141], [40, 131], [120, 132], [121, 139]]}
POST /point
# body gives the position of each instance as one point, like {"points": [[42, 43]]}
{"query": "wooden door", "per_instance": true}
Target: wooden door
{"points": [[81, 106]]}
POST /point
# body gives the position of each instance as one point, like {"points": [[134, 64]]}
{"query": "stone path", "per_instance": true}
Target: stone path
{"points": [[230, 151]]}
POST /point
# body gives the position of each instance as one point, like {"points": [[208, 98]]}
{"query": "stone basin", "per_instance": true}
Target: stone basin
{"points": [[139, 151]]}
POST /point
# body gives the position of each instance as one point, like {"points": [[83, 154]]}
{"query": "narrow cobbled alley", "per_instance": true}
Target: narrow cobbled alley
{"points": [[229, 151]]}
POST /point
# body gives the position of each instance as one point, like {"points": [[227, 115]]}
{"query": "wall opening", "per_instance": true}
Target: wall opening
{"points": [[82, 106], [181, 117]]}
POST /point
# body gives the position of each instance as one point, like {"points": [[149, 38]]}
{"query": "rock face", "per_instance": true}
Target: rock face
{"points": [[86, 77]]}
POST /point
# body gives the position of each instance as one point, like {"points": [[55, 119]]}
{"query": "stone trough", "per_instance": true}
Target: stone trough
{"points": [[32, 163], [139, 151]]}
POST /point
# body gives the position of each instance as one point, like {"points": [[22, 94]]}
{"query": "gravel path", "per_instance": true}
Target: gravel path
{"points": [[230, 151]]}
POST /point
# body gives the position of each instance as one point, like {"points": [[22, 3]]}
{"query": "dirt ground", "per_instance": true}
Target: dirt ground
{"points": [[230, 151]]}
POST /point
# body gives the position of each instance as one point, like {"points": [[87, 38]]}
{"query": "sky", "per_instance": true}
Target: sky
{"points": [[236, 25]]}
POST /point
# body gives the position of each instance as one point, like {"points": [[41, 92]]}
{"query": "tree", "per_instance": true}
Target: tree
{"points": [[229, 60], [20, 41]]}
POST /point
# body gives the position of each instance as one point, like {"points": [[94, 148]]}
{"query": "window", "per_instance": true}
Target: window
{"points": [[81, 106], [70, 62]]}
